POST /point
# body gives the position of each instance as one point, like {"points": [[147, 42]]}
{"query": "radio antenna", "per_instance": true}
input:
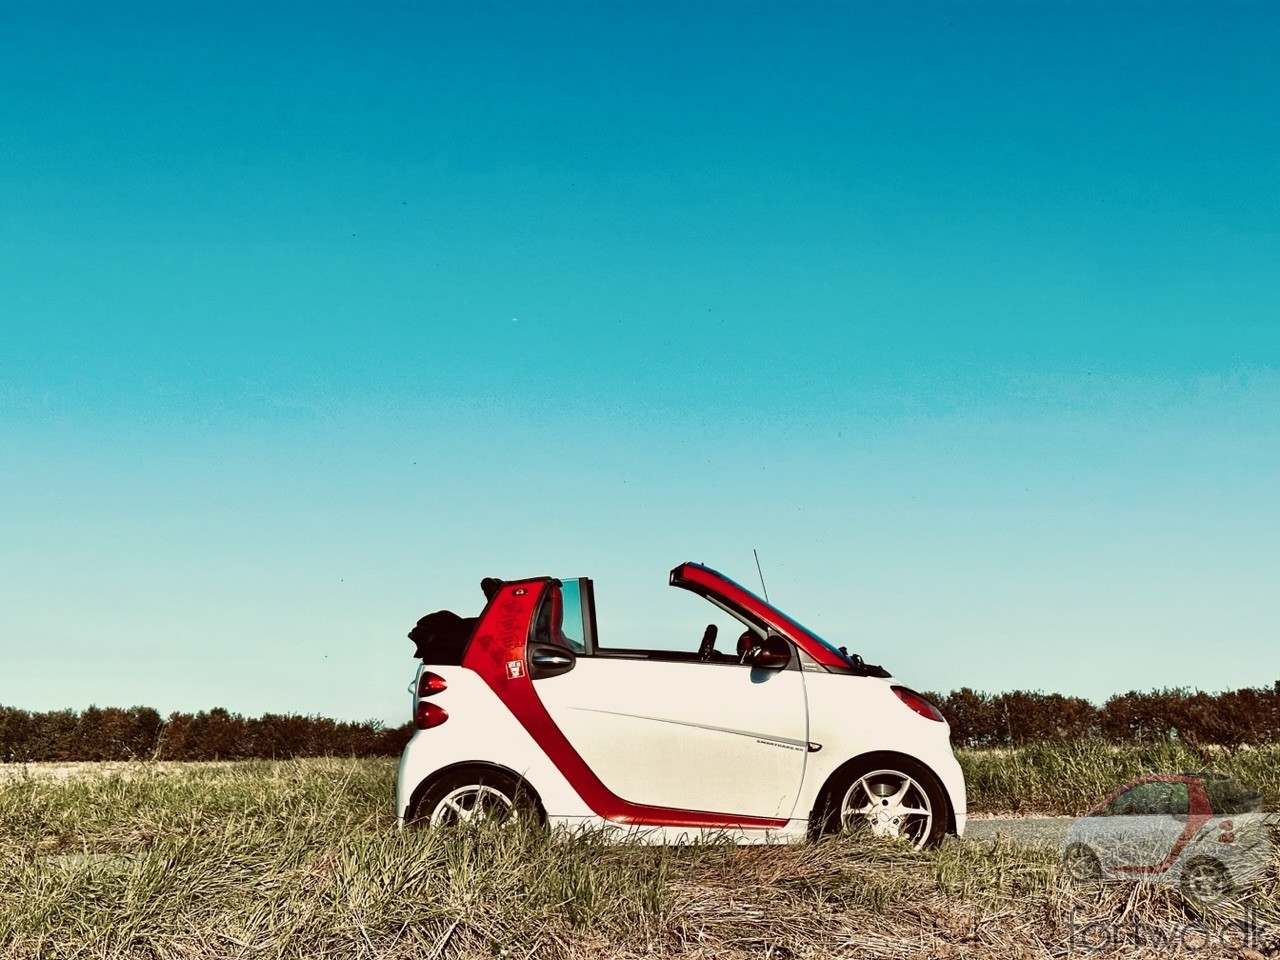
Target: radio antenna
{"points": [[761, 572]]}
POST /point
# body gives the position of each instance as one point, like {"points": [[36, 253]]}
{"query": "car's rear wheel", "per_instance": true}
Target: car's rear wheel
{"points": [[892, 798], [1081, 863], [475, 796]]}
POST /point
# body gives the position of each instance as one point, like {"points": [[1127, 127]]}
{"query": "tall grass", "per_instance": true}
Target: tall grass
{"points": [[301, 859], [1069, 779], [297, 859]]}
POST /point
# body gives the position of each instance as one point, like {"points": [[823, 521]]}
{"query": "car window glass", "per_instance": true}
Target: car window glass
{"points": [[1123, 804], [1159, 798], [840, 652], [1156, 799], [1143, 798], [571, 629], [1179, 799]]}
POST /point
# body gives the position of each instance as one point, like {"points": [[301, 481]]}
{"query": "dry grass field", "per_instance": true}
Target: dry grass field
{"points": [[300, 859]]}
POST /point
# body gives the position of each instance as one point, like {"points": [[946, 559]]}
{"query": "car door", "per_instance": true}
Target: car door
{"points": [[721, 738], [681, 734]]}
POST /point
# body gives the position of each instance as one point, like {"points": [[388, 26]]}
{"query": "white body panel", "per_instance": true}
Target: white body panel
{"points": [[854, 716], [721, 738], [675, 734], [481, 729]]}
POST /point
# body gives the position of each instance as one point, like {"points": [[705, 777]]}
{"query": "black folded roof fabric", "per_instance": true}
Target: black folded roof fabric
{"points": [[441, 637]]}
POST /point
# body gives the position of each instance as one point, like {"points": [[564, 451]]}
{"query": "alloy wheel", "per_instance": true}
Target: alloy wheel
{"points": [[1205, 880], [471, 804], [890, 804]]}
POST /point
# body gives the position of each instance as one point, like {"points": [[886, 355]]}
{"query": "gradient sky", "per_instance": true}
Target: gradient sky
{"points": [[312, 315]]}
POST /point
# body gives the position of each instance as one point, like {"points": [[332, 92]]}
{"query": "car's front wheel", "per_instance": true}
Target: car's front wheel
{"points": [[891, 798], [1205, 880], [476, 796]]}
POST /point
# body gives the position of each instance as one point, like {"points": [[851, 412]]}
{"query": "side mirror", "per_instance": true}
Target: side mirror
{"points": [[774, 654]]}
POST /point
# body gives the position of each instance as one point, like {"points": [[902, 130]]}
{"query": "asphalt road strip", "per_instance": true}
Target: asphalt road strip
{"points": [[1041, 831]]}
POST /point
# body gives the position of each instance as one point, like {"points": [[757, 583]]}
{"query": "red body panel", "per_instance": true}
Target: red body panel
{"points": [[498, 654]]}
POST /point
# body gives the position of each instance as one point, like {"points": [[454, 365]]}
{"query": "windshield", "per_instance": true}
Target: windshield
{"points": [[844, 655]]}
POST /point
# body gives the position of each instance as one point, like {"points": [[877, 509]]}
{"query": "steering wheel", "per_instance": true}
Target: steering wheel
{"points": [[708, 642]]}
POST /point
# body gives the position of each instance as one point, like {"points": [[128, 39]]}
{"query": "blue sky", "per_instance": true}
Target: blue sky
{"points": [[964, 315]]}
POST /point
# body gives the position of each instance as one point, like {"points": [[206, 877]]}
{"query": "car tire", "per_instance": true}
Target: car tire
{"points": [[1205, 880], [1081, 863], [888, 796], [474, 796]]}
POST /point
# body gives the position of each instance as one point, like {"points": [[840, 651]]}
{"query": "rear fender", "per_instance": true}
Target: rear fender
{"points": [[475, 766]]}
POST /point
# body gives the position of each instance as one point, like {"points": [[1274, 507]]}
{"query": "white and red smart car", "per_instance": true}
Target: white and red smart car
{"points": [[520, 712]]}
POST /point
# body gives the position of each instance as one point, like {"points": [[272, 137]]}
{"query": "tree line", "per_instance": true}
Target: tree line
{"points": [[140, 733], [1233, 718], [1247, 716]]}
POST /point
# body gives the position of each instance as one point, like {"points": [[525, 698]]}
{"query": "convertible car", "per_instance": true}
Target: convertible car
{"points": [[519, 712]]}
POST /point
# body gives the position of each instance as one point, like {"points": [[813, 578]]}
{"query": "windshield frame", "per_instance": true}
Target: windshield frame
{"points": [[705, 581]]}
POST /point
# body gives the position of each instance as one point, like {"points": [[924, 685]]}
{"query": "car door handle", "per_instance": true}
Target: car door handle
{"points": [[546, 660], [551, 660]]}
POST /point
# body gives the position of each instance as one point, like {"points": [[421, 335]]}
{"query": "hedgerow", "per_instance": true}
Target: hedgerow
{"points": [[1233, 718], [140, 733]]}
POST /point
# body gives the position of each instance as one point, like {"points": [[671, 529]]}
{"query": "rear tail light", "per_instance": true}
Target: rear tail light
{"points": [[429, 684], [429, 715], [919, 704]]}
